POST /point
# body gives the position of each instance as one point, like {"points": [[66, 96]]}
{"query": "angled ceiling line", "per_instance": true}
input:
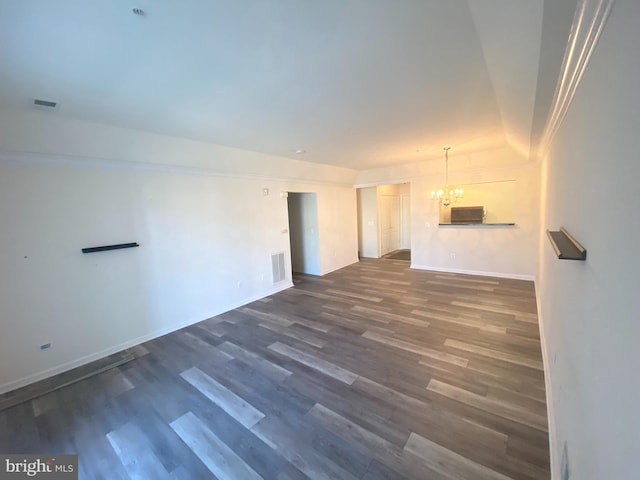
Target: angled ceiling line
{"points": [[521, 53], [590, 19]]}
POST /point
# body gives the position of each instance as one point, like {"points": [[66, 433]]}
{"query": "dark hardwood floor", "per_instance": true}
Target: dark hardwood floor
{"points": [[372, 372]]}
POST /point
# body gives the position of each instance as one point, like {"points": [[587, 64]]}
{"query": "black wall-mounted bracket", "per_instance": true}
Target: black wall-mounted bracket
{"points": [[565, 246], [109, 247]]}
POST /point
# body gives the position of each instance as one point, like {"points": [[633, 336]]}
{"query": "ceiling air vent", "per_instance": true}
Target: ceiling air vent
{"points": [[44, 103]]}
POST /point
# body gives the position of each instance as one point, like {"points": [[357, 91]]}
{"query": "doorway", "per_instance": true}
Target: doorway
{"points": [[303, 232], [384, 221]]}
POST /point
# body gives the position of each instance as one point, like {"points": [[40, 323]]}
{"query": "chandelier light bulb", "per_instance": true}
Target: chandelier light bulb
{"points": [[446, 194]]}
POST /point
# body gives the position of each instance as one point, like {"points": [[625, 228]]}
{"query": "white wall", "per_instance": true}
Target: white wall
{"points": [[206, 239], [337, 226], [31, 132], [303, 232], [481, 161], [590, 311]]}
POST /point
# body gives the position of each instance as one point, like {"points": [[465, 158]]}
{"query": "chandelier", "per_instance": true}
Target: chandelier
{"points": [[447, 194]]}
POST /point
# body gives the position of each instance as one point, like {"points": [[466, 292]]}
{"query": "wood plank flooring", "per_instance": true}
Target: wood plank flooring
{"points": [[375, 371]]}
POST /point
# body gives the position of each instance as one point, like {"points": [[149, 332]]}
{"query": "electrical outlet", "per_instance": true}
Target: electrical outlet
{"points": [[452, 256], [564, 464]]}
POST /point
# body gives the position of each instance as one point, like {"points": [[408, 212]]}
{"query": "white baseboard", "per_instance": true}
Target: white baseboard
{"points": [[78, 362], [551, 417], [514, 276]]}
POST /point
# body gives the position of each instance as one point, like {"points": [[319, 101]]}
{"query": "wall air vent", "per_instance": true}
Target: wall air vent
{"points": [[277, 267], [44, 103]]}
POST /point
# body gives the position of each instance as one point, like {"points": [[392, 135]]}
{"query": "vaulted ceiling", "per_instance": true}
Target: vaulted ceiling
{"points": [[356, 83]]}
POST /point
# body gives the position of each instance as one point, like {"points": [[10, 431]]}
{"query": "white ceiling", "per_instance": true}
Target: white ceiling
{"points": [[356, 83]]}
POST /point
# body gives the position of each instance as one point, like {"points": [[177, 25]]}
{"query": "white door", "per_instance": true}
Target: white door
{"points": [[389, 221]]}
